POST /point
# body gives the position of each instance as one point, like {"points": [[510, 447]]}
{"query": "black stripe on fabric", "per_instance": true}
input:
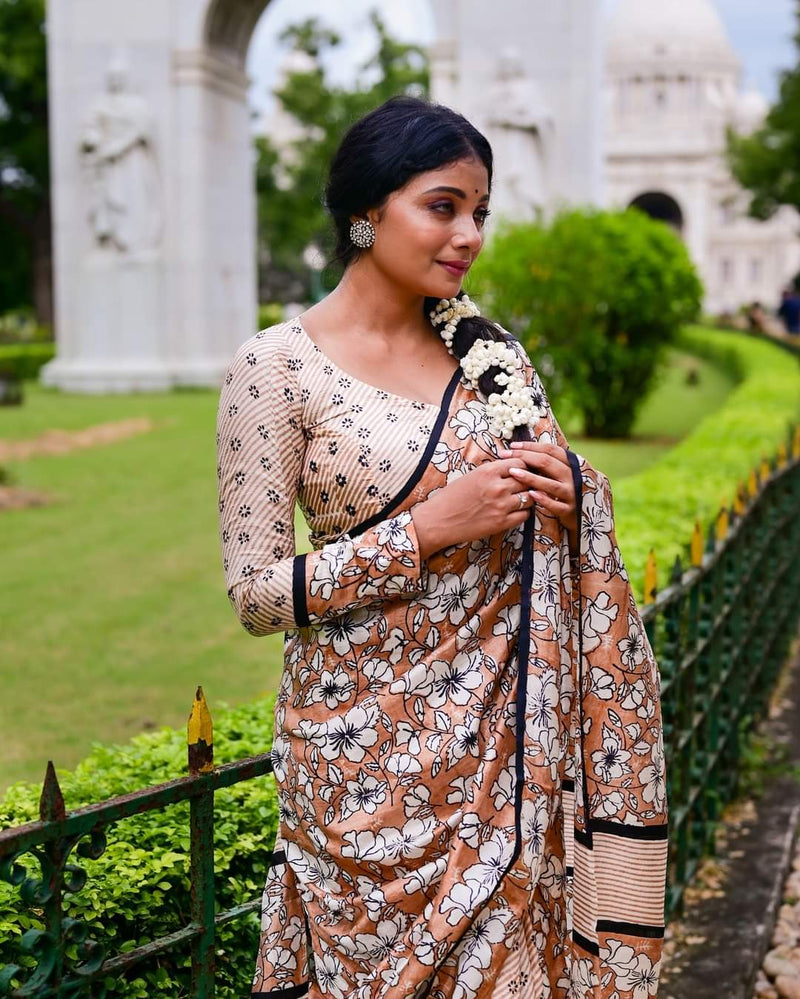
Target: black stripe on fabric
{"points": [[292, 992], [630, 929], [584, 944], [299, 598], [568, 784], [523, 651], [653, 833], [422, 464], [569, 871], [277, 857], [583, 837], [577, 483]]}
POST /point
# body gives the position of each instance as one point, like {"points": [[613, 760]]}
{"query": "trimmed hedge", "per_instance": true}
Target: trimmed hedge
{"points": [[139, 889], [23, 361], [657, 508]]}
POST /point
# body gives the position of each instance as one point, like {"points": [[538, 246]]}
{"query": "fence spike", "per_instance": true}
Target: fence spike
{"points": [[723, 523], [765, 470], [696, 547], [677, 570], [200, 736], [739, 500], [51, 803], [752, 484], [781, 455], [796, 442], [711, 540], [650, 578]]}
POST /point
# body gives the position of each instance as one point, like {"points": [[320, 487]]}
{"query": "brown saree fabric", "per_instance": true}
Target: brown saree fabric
{"points": [[468, 749]]}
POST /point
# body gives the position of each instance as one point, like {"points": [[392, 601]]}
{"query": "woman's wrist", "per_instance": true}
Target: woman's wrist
{"points": [[430, 536]]}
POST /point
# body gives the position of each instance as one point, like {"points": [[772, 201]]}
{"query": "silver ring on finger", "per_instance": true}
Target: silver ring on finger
{"points": [[523, 502]]}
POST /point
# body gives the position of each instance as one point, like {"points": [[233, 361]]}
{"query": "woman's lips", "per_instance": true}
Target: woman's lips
{"points": [[454, 268]]}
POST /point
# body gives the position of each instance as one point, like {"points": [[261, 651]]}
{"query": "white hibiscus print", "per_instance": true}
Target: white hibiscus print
{"points": [[632, 649], [328, 568], [596, 529], [329, 975], [635, 973], [351, 734], [653, 780], [494, 857], [476, 949], [332, 687], [464, 740], [598, 616], [363, 795], [601, 684], [452, 595], [393, 532], [470, 421], [455, 681], [345, 631], [542, 702], [611, 762]]}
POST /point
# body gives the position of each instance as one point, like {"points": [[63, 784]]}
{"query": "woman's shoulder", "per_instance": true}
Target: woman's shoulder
{"points": [[276, 345]]}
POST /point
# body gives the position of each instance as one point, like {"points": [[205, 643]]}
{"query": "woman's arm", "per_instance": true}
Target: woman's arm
{"points": [[260, 448]]}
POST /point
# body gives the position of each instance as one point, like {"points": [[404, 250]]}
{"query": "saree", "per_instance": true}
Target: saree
{"points": [[467, 748]]}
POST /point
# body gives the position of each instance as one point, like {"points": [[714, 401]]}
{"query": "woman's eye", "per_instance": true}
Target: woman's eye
{"points": [[482, 216], [442, 206]]}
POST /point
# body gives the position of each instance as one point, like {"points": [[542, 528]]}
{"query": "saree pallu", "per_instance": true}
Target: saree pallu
{"points": [[476, 757]]}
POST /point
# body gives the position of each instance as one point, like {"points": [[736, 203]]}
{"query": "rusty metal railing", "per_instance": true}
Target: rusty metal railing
{"points": [[58, 837]]}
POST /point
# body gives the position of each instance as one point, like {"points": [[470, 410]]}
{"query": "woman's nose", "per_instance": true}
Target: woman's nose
{"points": [[469, 235]]}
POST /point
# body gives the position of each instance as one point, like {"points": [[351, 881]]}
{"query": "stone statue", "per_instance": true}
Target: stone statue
{"points": [[116, 148], [521, 127]]}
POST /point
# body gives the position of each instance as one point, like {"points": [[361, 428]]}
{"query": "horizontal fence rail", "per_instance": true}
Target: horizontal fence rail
{"points": [[59, 836], [721, 630]]}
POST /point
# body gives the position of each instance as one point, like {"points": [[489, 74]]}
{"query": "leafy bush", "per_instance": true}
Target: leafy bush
{"points": [[139, 889], [20, 326], [269, 314], [595, 296], [658, 507], [23, 361]]}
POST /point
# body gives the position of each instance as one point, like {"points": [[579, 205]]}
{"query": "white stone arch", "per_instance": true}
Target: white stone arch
{"points": [[174, 314]]}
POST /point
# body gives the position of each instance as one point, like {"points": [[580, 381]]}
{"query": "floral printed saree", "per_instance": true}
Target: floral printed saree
{"points": [[468, 749]]}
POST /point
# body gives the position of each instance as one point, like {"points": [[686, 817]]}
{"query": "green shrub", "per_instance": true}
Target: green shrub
{"points": [[269, 314], [657, 508], [595, 296], [139, 889], [23, 361], [20, 326]]}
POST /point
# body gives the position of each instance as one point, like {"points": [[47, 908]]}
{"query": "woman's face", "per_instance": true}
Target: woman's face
{"points": [[428, 233]]}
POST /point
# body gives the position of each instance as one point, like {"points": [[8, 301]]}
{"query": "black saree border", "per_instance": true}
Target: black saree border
{"points": [[422, 464], [645, 930], [291, 992], [299, 596]]}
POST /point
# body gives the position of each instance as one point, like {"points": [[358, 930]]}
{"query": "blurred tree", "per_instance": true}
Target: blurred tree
{"points": [[25, 274], [289, 182], [767, 162]]}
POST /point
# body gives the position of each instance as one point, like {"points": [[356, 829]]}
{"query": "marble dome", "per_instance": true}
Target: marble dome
{"points": [[670, 30]]}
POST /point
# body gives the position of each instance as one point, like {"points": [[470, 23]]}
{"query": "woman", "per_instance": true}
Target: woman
{"points": [[451, 825]]}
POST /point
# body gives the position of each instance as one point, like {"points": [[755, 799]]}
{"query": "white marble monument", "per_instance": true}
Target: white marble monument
{"points": [[672, 87], [153, 194]]}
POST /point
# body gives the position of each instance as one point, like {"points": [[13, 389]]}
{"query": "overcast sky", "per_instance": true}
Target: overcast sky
{"points": [[760, 31]]}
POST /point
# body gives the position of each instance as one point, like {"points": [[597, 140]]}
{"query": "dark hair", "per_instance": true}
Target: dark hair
{"points": [[380, 153]]}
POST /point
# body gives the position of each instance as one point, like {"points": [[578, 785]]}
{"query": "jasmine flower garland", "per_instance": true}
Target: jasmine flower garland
{"points": [[514, 406]]}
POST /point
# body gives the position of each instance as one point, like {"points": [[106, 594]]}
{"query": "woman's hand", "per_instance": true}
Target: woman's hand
{"points": [[548, 479], [485, 501]]}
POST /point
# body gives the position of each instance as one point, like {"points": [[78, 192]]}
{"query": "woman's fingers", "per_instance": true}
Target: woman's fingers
{"points": [[558, 488]]}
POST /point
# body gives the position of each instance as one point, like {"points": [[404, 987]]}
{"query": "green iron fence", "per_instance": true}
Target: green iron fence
{"points": [[721, 630]]}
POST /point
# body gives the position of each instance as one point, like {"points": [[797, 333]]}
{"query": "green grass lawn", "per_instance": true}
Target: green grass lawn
{"points": [[112, 599]]}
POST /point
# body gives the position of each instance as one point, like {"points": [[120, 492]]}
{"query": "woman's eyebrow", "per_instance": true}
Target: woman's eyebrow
{"points": [[453, 190]]}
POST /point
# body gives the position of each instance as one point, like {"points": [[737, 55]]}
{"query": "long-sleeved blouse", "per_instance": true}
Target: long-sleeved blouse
{"points": [[468, 747]]}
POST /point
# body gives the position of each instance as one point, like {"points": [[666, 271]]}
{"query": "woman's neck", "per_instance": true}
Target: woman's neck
{"points": [[369, 301]]}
